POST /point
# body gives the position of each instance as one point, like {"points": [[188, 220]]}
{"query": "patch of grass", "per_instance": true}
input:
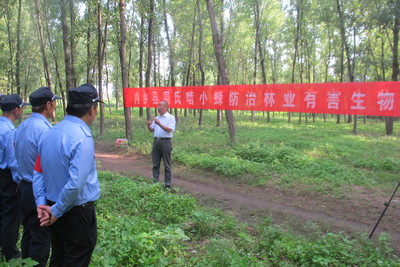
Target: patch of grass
{"points": [[141, 224], [320, 155]]}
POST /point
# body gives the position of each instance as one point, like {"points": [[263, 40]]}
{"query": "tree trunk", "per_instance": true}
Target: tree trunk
{"points": [[222, 68], [10, 46], [155, 63], [255, 66], [42, 45], [130, 50], [18, 52], [57, 68], [190, 57], [72, 41], [296, 42], [88, 52], [395, 65], [141, 51], [171, 55], [260, 48], [149, 51], [202, 73], [127, 111], [117, 81], [107, 78], [347, 52], [100, 64], [67, 56]]}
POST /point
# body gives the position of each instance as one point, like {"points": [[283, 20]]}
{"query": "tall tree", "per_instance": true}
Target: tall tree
{"points": [[395, 57], [191, 48], [72, 42], [221, 67], [11, 78], [89, 61], [53, 53], [100, 63], [171, 56], [67, 56], [350, 69], [127, 111], [201, 68], [150, 41], [298, 23], [141, 51], [18, 52], [42, 45], [259, 46]]}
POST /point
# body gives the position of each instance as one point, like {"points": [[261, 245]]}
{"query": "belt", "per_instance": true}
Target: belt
{"points": [[84, 205], [88, 204], [162, 138]]}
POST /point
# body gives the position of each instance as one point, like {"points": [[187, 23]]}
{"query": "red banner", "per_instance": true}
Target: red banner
{"points": [[361, 98]]}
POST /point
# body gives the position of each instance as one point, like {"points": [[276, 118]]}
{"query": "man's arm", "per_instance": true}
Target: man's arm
{"points": [[164, 127], [37, 184], [12, 161], [79, 170], [149, 126], [43, 211]]}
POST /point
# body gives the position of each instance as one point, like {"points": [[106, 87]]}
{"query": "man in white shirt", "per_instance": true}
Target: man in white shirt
{"points": [[163, 127]]}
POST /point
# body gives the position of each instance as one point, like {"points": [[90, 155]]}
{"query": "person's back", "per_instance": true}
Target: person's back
{"points": [[65, 181], [35, 242], [35, 127], [69, 139], [12, 108]]}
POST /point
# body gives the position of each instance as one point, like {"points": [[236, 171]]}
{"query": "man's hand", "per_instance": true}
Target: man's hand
{"points": [[45, 215], [156, 121]]}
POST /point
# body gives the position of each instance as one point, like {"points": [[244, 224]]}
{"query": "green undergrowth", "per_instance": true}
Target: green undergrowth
{"points": [[320, 156], [141, 224]]}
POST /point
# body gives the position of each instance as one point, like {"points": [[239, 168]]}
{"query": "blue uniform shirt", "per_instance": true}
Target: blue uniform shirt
{"points": [[168, 120], [27, 139], [67, 161], [7, 150]]}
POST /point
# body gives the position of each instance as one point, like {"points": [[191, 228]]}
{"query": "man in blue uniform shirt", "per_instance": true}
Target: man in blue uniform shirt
{"points": [[35, 241], [65, 182], [12, 107]]}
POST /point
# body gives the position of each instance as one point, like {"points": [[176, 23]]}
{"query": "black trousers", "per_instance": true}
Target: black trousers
{"points": [[35, 241], [162, 150], [10, 216], [73, 237]]}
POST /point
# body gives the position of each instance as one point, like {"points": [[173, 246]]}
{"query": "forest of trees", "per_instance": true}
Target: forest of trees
{"points": [[122, 43]]}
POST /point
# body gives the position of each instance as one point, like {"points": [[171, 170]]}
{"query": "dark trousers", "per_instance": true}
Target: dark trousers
{"points": [[73, 237], [10, 218], [162, 150], [35, 241]]}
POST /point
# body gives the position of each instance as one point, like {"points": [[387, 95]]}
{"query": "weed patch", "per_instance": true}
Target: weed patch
{"points": [[140, 224]]}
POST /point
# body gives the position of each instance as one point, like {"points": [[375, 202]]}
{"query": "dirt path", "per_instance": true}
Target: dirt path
{"points": [[355, 212]]}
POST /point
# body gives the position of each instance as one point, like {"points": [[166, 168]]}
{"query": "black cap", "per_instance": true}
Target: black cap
{"points": [[84, 94], [11, 102], [41, 96]]}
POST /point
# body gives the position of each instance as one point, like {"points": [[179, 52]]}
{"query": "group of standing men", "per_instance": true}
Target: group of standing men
{"points": [[48, 178]]}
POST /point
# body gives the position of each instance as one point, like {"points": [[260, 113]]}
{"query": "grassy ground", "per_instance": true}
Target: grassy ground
{"points": [[141, 224], [319, 156], [144, 225]]}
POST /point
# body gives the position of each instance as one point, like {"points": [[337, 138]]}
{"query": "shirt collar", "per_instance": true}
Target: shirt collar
{"points": [[77, 120], [41, 117], [5, 119], [165, 115]]}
